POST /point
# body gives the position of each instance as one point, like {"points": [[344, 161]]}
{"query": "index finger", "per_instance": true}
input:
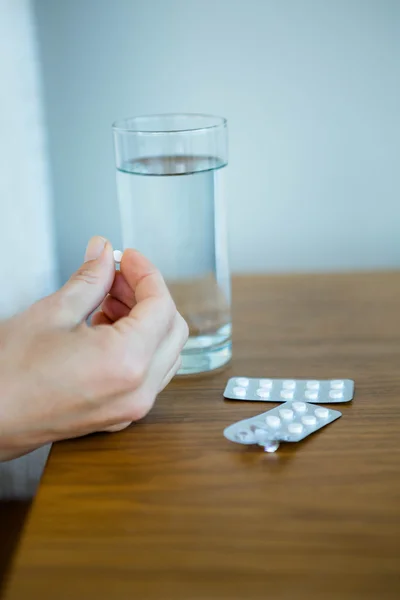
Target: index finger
{"points": [[152, 316]]}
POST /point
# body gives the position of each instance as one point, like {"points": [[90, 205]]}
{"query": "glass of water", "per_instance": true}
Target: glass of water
{"points": [[170, 182]]}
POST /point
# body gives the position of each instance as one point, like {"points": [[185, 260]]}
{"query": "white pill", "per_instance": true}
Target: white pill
{"points": [[295, 428], [309, 420], [299, 406], [286, 414], [311, 394], [117, 256], [273, 421], [312, 385], [287, 394], [337, 384], [242, 381], [335, 394], [322, 413], [266, 383], [271, 446], [289, 384], [263, 393], [239, 391], [260, 433]]}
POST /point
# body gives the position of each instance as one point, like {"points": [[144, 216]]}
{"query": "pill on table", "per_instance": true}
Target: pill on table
{"points": [[239, 391], [295, 428], [335, 394], [322, 413], [309, 420], [271, 446], [242, 381], [289, 384], [287, 394], [312, 385], [263, 393], [273, 421], [260, 433], [266, 383], [117, 256], [286, 414], [311, 394], [299, 406], [337, 384]]}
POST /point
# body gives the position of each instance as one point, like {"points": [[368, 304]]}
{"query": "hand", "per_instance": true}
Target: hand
{"points": [[60, 378]]}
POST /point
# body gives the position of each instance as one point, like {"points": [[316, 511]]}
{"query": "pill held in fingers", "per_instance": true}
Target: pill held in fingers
{"points": [[117, 256]]}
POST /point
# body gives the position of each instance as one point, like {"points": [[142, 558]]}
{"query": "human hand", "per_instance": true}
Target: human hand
{"points": [[60, 378]]}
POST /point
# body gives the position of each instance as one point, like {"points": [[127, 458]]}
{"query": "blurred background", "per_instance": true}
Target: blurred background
{"points": [[310, 88]]}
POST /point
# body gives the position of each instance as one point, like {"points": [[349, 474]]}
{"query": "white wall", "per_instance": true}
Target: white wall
{"points": [[311, 89], [27, 263]]}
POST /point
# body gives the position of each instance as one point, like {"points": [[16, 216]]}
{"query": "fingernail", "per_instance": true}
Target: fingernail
{"points": [[95, 247]]}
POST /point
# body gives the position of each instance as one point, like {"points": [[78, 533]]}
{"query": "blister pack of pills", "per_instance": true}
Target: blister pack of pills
{"points": [[289, 422], [281, 390]]}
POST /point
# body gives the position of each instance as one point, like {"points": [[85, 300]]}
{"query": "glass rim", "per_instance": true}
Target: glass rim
{"points": [[125, 125]]}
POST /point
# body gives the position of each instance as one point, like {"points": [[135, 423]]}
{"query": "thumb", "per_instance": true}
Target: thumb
{"points": [[88, 287]]}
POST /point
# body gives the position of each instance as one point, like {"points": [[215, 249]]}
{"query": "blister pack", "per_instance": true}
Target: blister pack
{"points": [[289, 422], [281, 390]]}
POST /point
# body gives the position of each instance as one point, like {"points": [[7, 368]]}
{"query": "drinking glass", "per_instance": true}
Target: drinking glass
{"points": [[170, 183]]}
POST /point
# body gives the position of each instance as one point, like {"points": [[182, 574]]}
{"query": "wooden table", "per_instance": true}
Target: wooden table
{"points": [[169, 509]]}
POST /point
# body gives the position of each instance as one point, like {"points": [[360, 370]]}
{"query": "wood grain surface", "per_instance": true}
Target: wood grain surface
{"points": [[169, 509], [12, 517]]}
